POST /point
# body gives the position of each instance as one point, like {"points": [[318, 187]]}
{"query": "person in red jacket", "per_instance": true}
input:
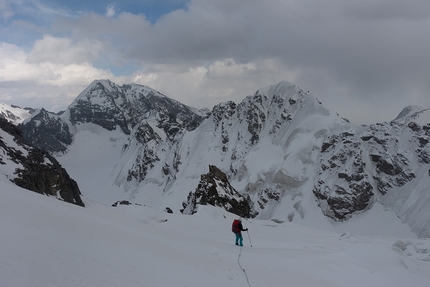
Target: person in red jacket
{"points": [[237, 229]]}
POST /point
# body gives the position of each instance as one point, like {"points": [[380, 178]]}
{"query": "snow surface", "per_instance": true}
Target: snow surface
{"points": [[93, 156], [15, 115], [417, 114], [46, 242]]}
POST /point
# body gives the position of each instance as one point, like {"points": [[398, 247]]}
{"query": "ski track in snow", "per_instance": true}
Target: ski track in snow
{"points": [[46, 242]]}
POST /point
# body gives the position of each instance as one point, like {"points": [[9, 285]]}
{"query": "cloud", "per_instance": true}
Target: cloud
{"points": [[206, 86], [47, 76], [40, 8], [413, 10], [64, 50], [369, 56], [5, 10], [110, 10]]}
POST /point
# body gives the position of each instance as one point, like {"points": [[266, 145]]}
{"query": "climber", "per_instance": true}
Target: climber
{"points": [[237, 229]]}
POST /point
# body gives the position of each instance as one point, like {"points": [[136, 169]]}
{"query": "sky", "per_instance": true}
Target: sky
{"points": [[365, 60]]}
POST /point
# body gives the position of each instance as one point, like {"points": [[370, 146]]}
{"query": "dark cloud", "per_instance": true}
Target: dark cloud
{"points": [[412, 10]]}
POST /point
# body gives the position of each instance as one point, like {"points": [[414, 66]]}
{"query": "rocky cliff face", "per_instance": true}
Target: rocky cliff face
{"points": [[47, 131], [214, 189], [34, 169], [372, 164], [343, 186]]}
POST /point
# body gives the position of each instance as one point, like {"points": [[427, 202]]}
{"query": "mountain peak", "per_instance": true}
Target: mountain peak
{"points": [[281, 88], [417, 114]]}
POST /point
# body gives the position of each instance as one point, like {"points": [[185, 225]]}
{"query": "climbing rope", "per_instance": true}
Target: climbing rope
{"points": [[238, 262]]}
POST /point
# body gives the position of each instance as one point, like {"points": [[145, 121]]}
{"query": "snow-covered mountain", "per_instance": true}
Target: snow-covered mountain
{"points": [[150, 114], [14, 114], [293, 159]]}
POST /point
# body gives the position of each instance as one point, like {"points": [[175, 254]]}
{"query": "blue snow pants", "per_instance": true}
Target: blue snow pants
{"points": [[239, 239]]}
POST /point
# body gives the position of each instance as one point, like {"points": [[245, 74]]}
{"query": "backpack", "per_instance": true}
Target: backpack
{"points": [[235, 226]]}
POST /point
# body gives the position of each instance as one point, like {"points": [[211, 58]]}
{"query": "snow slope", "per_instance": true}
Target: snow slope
{"points": [[416, 114], [46, 242], [15, 115], [92, 158]]}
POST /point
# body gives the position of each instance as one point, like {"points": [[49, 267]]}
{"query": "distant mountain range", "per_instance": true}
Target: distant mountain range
{"points": [[279, 154]]}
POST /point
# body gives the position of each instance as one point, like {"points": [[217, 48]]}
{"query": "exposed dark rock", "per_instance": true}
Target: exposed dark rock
{"points": [[39, 171], [124, 202], [414, 126], [143, 163], [349, 191], [214, 189], [121, 202], [393, 168], [266, 195], [107, 115], [223, 111], [47, 131]]}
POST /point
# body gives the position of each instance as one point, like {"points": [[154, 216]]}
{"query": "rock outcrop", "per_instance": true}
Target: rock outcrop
{"points": [[47, 131], [214, 189], [34, 169]]}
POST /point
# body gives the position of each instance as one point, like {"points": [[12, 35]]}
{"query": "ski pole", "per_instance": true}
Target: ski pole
{"points": [[249, 238]]}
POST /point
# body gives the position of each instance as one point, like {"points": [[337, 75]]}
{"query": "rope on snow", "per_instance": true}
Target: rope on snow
{"points": [[238, 258]]}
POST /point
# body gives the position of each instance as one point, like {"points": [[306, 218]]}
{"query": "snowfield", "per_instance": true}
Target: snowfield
{"points": [[46, 242]]}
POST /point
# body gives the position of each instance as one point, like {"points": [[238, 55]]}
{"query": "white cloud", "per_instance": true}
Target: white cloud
{"points": [[13, 65], [46, 76], [206, 86], [65, 50], [110, 10], [53, 61]]}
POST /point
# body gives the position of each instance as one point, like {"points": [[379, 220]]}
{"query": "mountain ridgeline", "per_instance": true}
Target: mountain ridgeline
{"points": [[278, 154]]}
